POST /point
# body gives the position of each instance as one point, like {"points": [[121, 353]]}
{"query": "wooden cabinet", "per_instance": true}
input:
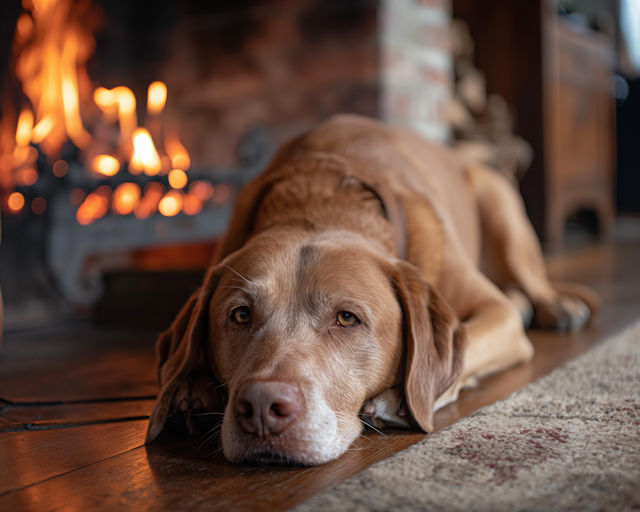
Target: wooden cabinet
{"points": [[557, 78], [578, 125]]}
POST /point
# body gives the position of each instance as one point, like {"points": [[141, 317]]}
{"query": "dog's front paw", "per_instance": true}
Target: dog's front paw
{"points": [[197, 402], [388, 409], [567, 314]]}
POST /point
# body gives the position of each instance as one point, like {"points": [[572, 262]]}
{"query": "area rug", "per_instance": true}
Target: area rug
{"points": [[570, 442]]}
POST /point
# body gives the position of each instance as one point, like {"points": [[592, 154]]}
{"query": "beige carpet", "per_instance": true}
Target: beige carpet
{"points": [[570, 441]]}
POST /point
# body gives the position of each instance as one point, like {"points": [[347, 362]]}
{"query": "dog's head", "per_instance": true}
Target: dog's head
{"points": [[301, 331]]}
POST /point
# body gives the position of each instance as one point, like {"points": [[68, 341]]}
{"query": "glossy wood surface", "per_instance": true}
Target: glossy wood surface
{"points": [[104, 466]]}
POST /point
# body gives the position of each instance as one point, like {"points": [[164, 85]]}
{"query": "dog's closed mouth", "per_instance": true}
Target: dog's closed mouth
{"points": [[270, 457]]}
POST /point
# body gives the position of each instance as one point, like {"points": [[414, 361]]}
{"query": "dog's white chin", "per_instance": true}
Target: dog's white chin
{"points": [[316, 438]]}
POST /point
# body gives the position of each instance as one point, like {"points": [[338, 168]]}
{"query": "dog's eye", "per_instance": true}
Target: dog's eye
{"points": [[346, 319], [241, 315]]}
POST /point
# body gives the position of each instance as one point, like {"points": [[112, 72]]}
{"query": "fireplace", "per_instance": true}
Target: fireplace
{"points": [[129, 127]]}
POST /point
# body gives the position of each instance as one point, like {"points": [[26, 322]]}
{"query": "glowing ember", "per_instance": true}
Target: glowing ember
{"points": [[148, 205], [171, 203], [192, 205], [60, 168], [145, 156], [178, 178], [94, 207], [28, 176], [157, 97], [15, 202], [125, 198], [105, 164], [39, 205], [203, 190]]}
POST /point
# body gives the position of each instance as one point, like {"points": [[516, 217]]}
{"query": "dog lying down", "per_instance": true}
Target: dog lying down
{"points": [[367, 273]]}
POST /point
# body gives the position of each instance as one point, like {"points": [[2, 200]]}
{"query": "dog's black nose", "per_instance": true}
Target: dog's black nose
{"points": [[267, 406]]}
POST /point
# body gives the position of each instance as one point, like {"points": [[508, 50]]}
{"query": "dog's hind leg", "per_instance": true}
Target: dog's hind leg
{"points": [[512, 258]]}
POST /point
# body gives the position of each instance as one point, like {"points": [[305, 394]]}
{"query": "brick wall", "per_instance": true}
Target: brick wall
{"points": [[286, 65], [416, 65]]}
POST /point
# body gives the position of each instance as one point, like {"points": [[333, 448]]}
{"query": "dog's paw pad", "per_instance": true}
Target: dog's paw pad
{"points": [[567, 314], [388, 409]]}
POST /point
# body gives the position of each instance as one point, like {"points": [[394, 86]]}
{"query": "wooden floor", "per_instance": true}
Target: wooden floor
{"points": [[75, 403]]}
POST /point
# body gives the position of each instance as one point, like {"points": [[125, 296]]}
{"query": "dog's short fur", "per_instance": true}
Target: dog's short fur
{"points": [[435, 258]]}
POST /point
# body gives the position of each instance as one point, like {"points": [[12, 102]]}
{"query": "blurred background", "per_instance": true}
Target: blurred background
{"points": [[128, 126]]}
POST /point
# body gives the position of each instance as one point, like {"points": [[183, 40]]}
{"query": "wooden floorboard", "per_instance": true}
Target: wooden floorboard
{"points": [[46, 416], [80, 363], [184, 475], [37, 456]]}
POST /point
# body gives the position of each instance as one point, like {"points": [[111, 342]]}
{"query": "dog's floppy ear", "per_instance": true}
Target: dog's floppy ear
{"points": [[436, 341], [179, 347]]}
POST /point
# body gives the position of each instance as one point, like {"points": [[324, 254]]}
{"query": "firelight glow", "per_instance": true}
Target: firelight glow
{"points": [[105, 164], [171, 203], [121, 102], [25, 124], [177, 153], [125, 198], [95, 206], [178, 178], [157, 97], [15, 202], [145, 156]]}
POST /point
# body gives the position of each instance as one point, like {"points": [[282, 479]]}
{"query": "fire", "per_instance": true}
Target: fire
{"points": [[105, 164], [192, 205], [203, 190], [178, 178], [157, 97], [145, 156], [95, 206], [125, 198], [171, 203], [52, 44], [25, 125], [148, 205], [177, 153], [118, 103], [15, 202]]}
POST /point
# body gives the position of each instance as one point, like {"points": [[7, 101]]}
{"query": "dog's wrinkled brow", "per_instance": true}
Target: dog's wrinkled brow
{"points": [[307, 255]]}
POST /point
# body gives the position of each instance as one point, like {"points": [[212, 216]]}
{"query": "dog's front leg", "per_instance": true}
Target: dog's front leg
{"points": [[497, 339]]}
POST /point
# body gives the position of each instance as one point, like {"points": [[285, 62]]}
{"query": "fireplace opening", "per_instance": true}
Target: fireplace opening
{"points": [[127, 128]]}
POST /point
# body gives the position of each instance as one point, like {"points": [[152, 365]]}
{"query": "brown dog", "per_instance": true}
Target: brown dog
{"points": [[361, 275]]}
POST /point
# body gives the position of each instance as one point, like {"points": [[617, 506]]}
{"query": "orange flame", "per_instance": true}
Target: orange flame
{"points": [[125, 198], [177, 153], [95, 206], [171, 203], [118, 102], [148, 205], [105, 164], [54, 44], [178, 178], [145, 156], [15, 202], [157, 97]]}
